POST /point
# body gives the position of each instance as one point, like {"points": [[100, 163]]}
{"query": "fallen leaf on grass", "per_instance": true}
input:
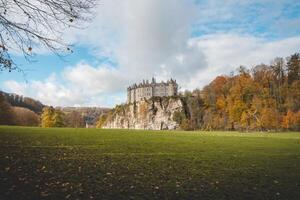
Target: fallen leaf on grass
{"points": [[65, 184], [44, 194]]}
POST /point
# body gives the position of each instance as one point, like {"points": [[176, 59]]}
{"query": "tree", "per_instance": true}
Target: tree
{"points": [[269, 119], [278, 67], [47, 117], [178, 117], [291, 120], [74, 119], [6, 113], [241, 94], [287, 120], [25, 117], [58, 119], [27, 25], [296, 121], [293, 67], [101, 121], [292, 99], [52, 117]]}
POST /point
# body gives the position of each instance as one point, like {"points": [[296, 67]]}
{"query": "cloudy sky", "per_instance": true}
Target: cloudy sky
{"points": [[130, 40]]}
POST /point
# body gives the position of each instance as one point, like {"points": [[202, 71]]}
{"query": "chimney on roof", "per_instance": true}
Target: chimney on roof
{"points": [[153, 80]]}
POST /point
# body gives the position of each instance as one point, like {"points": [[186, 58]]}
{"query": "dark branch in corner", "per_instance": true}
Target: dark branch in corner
{"points": [[27, 26]]}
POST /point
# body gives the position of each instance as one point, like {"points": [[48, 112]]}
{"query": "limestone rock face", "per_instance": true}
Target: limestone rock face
{"points": [[153, 114]]}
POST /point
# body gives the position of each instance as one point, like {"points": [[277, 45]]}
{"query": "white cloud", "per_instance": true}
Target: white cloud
{"points": [[102, 79], [153, 38], [144, 35], [84, 84], [79, 85], [226, 52]]}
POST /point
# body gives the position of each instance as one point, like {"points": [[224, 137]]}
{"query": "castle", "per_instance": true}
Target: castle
{"points": [[146, 90]]}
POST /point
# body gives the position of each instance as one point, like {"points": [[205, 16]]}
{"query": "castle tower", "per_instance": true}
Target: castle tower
{"points": [[146, 90]]}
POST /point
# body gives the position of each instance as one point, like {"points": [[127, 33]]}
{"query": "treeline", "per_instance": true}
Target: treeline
{"points": [[79, 116], [266, 97], [71, 116], [19, 113], [25, 102], [12, 115], [52, 117]]}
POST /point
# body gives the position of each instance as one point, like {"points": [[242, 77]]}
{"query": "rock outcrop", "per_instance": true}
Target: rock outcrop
{"points": [[152, 114]]}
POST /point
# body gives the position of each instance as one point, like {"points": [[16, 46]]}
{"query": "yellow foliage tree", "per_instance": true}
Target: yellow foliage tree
{"points": [[269, 118], [52, 118], [287, 120], [101, 121], [46, 118], [291, 120]]}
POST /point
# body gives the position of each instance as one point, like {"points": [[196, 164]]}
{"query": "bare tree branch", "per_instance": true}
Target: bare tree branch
{"points": [[27, 25]]}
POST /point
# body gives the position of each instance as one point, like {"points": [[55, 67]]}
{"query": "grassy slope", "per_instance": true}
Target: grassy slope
{"points": [[122, 164]]}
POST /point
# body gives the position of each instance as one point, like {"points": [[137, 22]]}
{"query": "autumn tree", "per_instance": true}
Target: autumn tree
{"points": [[6, 113], [25, 117], [291, 121], [215, 100], [74, 119], [296, 121], [58, 119], [287, 121], [267, 97], [102, 119], [292, 96], [242, 92], [52, 117], [47, 117], [30, 25]]}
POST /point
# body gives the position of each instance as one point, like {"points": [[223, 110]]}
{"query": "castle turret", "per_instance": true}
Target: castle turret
{"points": [[144, 90]]}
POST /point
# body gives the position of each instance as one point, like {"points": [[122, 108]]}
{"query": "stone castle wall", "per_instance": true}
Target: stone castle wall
{"points": [[146, 90]]}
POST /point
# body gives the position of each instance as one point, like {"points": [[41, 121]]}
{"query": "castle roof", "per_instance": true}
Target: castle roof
{"points": [[151, 84]]}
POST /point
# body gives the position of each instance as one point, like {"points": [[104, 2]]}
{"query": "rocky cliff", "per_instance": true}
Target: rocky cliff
{"points": [[153, 114]]}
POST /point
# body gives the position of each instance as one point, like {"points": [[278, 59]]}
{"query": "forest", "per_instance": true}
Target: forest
{"points": [[23, 111], [263, 98]]}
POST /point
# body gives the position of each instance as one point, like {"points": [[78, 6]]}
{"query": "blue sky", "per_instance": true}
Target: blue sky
{"points": [[129, 40]]}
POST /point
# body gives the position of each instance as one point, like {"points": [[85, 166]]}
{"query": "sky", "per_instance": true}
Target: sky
{"points": [[192, 41]]}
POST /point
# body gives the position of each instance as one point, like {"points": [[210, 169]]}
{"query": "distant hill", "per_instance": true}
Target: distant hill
{"points": [[24, 102], [90, 114]]}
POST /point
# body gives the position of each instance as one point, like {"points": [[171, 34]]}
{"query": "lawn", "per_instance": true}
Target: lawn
{"points": [[61, 163]]}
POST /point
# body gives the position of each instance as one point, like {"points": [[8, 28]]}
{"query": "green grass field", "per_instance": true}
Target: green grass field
{"points": [[66, 163]]}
